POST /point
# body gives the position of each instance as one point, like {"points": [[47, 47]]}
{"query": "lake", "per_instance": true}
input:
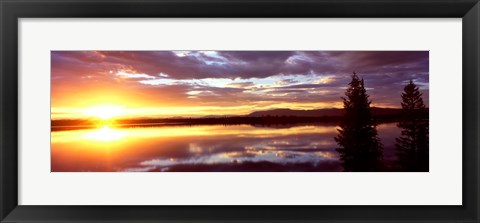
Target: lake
{"points": [[209, 148]]}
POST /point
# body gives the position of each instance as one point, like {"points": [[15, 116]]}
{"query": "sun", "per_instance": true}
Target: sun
{"points": [[105, 112]]}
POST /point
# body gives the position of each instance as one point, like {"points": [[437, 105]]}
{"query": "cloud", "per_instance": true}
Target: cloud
{"points": [[232, 77], [241, 84]]}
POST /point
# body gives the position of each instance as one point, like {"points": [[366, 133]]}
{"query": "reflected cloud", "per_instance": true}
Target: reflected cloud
{"points": [[200, 148]]}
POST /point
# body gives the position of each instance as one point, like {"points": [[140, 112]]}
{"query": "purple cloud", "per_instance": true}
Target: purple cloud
{"points": [[240, 76]]}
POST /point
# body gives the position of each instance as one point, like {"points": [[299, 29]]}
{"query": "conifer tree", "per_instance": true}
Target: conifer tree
{"points": [[360, 148], [412, 146]]}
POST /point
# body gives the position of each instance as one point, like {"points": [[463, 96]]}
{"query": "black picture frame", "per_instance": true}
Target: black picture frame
{"points": [[12, 10]]}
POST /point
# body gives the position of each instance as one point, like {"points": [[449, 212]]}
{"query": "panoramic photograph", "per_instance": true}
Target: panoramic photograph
{"points": [[239, 111]]}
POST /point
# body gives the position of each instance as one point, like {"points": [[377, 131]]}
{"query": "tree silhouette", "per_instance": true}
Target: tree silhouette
{"points": [[412, 146], [360, 148]]}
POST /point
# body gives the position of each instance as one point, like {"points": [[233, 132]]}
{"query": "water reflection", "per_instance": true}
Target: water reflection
{"points": [[203, 148], [105, 134]]}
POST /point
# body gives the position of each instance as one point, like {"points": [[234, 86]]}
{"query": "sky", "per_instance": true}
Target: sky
{"points": [[203, 83]]}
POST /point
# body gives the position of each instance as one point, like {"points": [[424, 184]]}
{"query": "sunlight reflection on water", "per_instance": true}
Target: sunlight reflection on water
{"points": [[202, 148]]}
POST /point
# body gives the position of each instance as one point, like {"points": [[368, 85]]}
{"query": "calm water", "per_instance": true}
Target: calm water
{"points": [[204, 148]]}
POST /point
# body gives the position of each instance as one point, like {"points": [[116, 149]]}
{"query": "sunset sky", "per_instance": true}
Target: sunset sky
{"points": [[202, 83]]}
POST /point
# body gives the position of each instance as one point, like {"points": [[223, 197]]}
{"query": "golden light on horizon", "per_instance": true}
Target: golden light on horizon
{"points": [[105, 112], [109, 112]]}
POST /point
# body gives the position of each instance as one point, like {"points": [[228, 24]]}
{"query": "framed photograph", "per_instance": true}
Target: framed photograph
{"points": [[227, 111]]}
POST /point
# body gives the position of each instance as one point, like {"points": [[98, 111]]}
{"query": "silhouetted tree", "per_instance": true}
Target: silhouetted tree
{"points": [[360, 148], [412, 146]]}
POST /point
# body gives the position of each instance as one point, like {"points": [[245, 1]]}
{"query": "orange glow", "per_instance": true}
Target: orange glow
{"points": [[105, 134], [108, 134], [105, 112]]}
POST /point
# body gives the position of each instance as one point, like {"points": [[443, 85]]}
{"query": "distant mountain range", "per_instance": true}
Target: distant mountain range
{"points": [[320, 112]]}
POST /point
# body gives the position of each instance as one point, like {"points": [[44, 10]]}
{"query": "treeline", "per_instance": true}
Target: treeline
{"points": [[243, 120], [267, 120], [361, 149]]}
